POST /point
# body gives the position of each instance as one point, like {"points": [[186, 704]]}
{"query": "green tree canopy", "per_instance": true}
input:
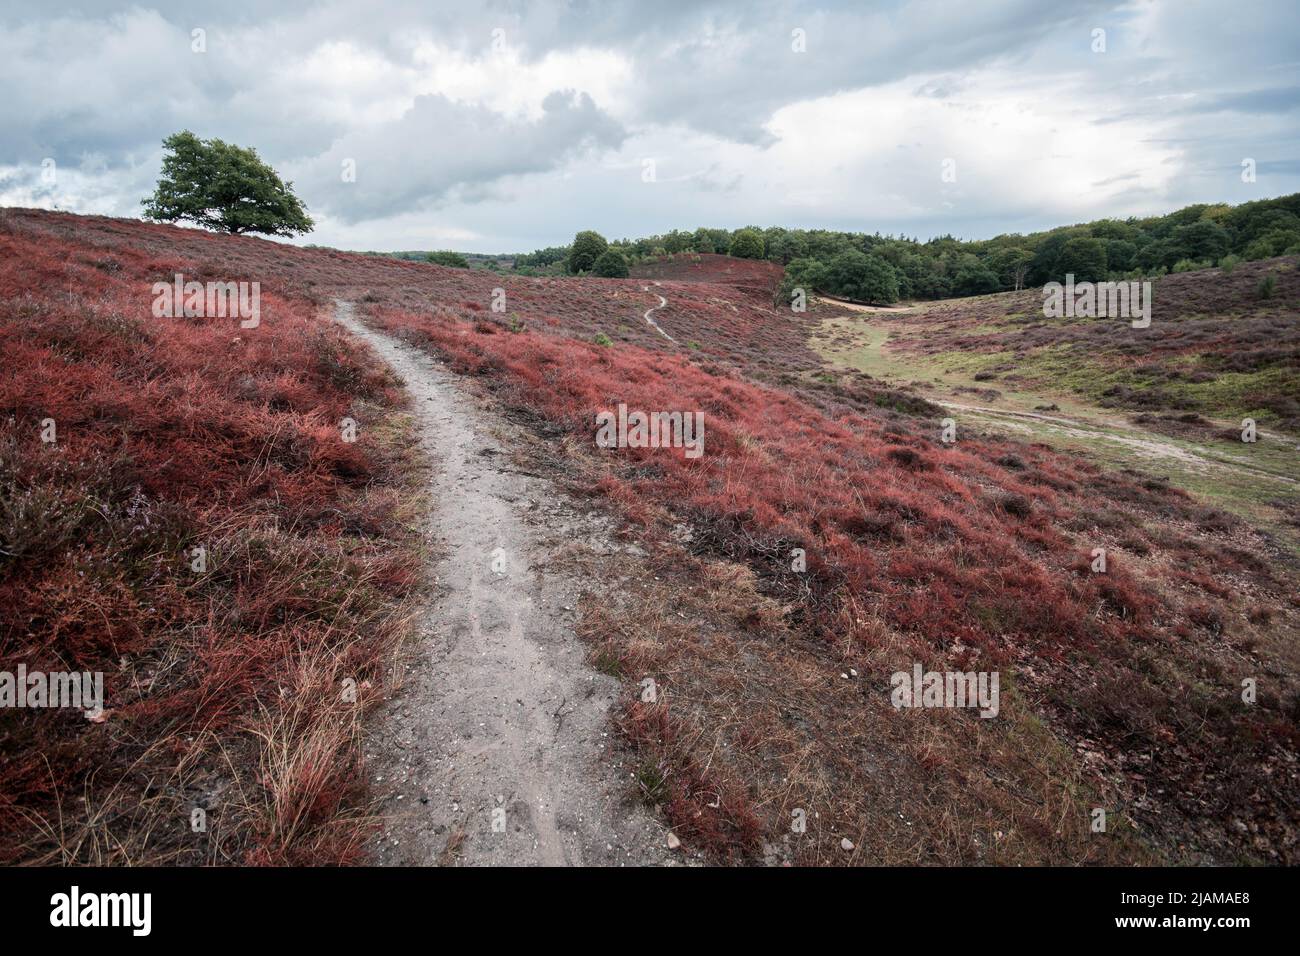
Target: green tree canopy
{"points": [[785, 247], [1011, 264], [1160, 254], [445, 257], [806, 274], [676, 242], [1256, 218], [747, 244], [856, 275], [1203, 240], [1120, 255], [1085, 258], [944, 265], [973, 277], [1275, 242], [587, 247], [610, 265], [221, 186]]}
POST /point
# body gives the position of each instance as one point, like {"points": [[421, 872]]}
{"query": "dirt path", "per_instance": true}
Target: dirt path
{"points": [[653, 324], [1144, 443], [869, 309], [495, 749]]}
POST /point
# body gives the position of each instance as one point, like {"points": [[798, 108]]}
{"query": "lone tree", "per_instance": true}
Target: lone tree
{"points": [[587, 247], [226, 187]]}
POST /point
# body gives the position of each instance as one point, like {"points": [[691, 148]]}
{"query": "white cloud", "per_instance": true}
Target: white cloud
{"points": [[508, 83]]}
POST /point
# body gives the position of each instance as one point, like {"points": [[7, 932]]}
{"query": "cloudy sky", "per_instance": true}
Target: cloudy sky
{"points": [[500, 127]]}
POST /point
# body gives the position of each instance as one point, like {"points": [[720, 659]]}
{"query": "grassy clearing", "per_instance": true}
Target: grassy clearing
{"points": [[1054, 396]]}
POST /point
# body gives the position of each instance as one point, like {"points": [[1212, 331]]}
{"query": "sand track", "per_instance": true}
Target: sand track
{"points": [[494, 751], [651, 322]]}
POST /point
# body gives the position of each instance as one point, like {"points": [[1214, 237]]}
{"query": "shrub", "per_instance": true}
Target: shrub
{"points": [[1259, 249], [1266, 287], [447, 258]]}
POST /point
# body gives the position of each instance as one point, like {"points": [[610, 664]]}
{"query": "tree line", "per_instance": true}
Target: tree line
{"points": [[877, 268]]}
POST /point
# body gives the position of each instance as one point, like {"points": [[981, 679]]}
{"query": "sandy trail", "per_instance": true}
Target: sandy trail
{"points": [[870, 309], [653, 324], [494, 751]]}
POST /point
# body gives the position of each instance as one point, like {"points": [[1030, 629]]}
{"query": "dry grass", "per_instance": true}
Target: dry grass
{"points": [[754, 723], [222, 686]]}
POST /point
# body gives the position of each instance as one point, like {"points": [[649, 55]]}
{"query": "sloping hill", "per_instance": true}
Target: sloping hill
{"points": [[178, 513], [1172, 398], [1216, 345], [758, 276], [1121, 689]]}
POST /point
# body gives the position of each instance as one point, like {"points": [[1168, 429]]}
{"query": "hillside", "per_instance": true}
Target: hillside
{"points": [[1171, 398], [757, 275], [1121, 689]]}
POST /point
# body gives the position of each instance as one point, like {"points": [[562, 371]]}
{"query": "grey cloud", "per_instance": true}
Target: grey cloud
{"points": [[1284, 99], [97, 85], [1274, 167], [440, 148], [727, 74], [123, 75], [1113, 180]]}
